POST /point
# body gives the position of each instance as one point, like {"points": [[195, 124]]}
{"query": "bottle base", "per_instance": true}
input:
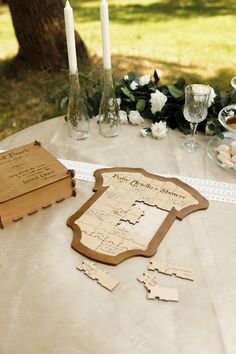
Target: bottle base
{"points": [[77, 134], [109, 132]]}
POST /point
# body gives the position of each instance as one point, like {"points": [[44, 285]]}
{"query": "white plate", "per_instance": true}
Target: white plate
{"points": [[225, 114], [214, 143]]}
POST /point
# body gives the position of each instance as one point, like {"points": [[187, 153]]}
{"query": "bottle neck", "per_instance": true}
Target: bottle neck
{"points": [[74, 82], [108, 80]]}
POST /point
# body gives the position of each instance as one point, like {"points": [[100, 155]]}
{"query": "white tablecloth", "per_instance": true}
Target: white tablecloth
{"points": [[49, 307]]}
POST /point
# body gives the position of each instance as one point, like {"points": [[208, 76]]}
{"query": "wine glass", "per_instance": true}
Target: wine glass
{"points": [[233, 82], [227, 116], [195, 111]]}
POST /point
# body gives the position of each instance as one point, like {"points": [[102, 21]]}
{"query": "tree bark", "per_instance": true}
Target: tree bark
{"points": [[40, 30]]}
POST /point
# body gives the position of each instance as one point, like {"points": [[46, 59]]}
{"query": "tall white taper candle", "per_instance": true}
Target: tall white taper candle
{"points": [[105, 34], [70, 38]]}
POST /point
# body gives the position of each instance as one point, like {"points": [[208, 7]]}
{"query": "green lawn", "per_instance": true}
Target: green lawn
{"points": [[194, 39]]}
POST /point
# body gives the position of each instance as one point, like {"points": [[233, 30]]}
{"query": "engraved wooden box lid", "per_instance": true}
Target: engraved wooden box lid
{"points": [[31, 179], [28, 168]]}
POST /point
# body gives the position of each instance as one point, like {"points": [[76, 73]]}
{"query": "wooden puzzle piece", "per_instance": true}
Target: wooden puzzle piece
{"points": [[102, 277], [133, 214], [155, 290], [163, 293], [170, 269], [149, 280]]}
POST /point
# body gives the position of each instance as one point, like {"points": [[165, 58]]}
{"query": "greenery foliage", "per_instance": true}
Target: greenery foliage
{"points": [[139, 100]]}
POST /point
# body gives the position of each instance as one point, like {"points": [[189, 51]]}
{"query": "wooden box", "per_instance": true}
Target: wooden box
{"points": [[31, 179]]}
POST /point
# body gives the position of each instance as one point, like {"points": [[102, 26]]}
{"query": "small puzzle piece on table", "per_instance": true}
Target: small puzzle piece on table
{"points": [[155, 290], [163, 293], [149, 280], [171, 269], [102, 277]]}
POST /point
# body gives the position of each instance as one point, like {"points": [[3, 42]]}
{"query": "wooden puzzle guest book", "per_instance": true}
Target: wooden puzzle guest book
{"points": [[31, 179], [130, 213]]}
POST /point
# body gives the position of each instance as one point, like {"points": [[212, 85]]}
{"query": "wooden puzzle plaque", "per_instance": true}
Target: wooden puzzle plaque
{"points": [[130, 213]]}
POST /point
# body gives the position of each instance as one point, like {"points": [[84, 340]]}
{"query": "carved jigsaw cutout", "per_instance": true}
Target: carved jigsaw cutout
{"points": [[171, 269], [155, 290], [133, 215], [102, 277]]}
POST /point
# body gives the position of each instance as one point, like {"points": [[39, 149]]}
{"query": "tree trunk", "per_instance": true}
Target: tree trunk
{"points": [[40, 30]]}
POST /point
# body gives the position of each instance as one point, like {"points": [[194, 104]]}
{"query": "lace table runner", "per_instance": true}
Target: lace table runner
{"points": [[212, 190]]}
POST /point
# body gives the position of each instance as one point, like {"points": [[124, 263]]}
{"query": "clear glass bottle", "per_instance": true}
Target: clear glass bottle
{"points": [[77, 115], [109, 121]]}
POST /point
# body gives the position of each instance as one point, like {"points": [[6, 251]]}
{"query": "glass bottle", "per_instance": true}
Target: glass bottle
{"points": [[77, 115], [109, 121]]}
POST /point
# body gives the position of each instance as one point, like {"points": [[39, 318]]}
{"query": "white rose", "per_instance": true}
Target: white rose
{"points": [[211, 97], [126, 77], [144, 80], [135, 118], [158, 100], [123, 117], [99, 118], [133, 85], [144, 132], [111, 102], [159, 130], [118, 101], [208, 130]]}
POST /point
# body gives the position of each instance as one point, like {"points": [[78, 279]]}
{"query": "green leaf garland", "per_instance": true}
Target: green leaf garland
{"points": [[139, 99]]}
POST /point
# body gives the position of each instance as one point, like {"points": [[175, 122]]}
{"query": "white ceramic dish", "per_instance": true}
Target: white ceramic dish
{"points": [[226, 113], [213, 143]]}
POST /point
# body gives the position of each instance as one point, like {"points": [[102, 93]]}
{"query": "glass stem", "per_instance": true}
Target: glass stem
{"points": [[193, 127]]}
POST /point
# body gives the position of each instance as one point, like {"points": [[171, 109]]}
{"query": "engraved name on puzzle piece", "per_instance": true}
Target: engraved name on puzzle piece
{"points": [[171, 269], [148, 280], [99, 275], [163, 293]]}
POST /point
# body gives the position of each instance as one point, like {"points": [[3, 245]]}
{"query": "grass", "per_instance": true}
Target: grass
{"points": [[194, 39]]}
